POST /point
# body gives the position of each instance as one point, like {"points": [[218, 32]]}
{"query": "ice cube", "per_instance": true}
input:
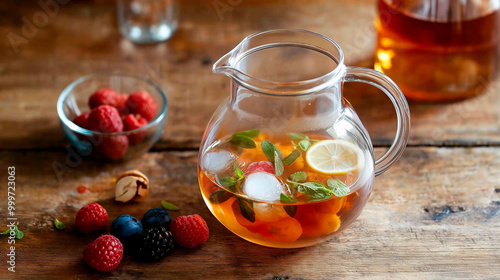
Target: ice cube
{"points": [[263, 186], [218, 161]]}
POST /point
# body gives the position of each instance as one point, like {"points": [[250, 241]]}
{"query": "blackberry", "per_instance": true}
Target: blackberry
{"points": [[154, 244]]}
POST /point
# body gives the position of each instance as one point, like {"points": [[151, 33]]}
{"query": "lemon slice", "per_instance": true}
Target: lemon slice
{"points": [[334, 157]]}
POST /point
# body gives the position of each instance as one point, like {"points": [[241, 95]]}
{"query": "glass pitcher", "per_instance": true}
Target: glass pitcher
{"points": [[285, 161]]}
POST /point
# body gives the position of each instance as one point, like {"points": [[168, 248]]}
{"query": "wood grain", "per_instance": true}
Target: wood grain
{"points": [[434, 215], [428, 218], [82, 38]]}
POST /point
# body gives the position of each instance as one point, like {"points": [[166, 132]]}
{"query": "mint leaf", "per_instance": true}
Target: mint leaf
{"points": [[274, 155], [316, 191], [220, 196], [292, 157], [246, 209], [338, 188], [298, 177], [305, 144], [58, 224], [286, 199], [237, 171], [243, 141], [280, 154], [169, 206], [292, 185], [17, 233], [278, 164], [297, 136], [268, 149], [228, 181], [249, 133], [291, 210]]}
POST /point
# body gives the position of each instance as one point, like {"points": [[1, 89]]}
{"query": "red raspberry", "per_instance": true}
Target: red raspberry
{"points": [[113, 147], [105, 96], [90, 218], [142, 103], [265, 166], [122, 104], [103, 254], [105, 119], [130, 122], [189, 231], [81, 120]]}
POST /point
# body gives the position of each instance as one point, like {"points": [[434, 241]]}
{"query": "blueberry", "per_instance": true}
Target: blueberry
{"points": [[157, 217], [126, 228]]}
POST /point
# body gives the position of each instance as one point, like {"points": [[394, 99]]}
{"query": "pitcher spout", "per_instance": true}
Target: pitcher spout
{"points": [[223, 65]]}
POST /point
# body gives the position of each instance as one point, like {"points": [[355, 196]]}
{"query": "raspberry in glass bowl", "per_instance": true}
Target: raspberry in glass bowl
{"points": [[112, 116]]}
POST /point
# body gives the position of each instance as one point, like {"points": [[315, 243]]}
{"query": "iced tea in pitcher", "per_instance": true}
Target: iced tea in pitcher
{"points": [[285, 161], [290, 190], [438, 50]]}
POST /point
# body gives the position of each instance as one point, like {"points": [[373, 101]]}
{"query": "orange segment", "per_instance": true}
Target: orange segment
{"points": [[331, 206], [315, 223], [331, 224], [255, 227], [285, 230]]}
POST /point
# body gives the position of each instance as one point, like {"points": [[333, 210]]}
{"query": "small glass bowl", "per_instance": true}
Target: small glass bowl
{"points": [[73, 101]]}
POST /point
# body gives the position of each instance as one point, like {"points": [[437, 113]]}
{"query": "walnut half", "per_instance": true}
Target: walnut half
{"points": [[131, 185]]}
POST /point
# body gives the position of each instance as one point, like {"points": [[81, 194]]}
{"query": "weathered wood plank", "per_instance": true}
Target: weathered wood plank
{"points": [[428, 218], [82, 38]]}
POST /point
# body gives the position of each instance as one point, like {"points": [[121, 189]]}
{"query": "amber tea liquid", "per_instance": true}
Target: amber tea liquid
{"points": [[435, 60], [274, 226]]}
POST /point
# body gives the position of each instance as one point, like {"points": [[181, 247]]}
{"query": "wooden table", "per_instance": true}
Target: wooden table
{"points": [[435, 214]]}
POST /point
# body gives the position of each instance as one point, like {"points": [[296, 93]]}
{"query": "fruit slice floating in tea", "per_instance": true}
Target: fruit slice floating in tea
{"points": [[334, 157]]}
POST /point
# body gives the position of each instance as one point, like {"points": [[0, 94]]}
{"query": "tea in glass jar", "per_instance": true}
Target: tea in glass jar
{"points": [[438, 50]]}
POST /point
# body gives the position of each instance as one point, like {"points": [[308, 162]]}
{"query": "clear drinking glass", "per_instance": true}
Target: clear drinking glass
{"points": [[147, 21], [438, 50]]}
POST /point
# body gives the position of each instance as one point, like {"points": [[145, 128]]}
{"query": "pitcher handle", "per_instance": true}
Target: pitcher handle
{"points": [[386, 85]]}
